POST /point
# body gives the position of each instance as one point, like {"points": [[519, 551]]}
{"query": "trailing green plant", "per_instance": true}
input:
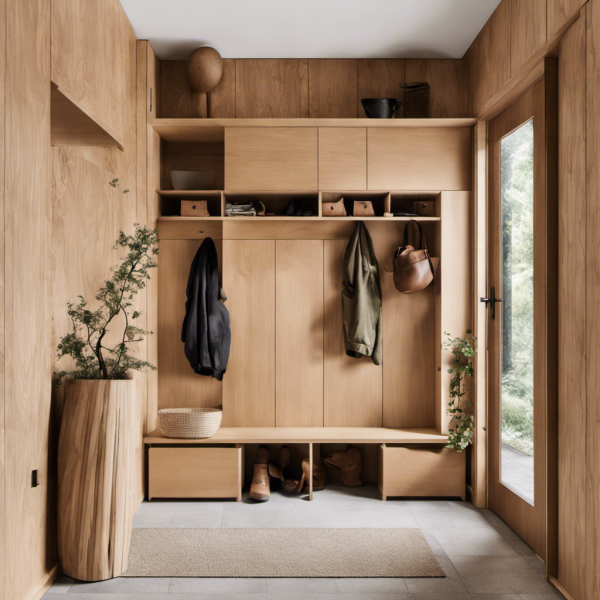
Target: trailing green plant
{"points": [[85, 343], [462, 421]]}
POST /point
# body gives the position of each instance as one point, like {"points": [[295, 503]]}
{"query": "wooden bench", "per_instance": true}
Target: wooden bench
{"points": [[228, 466]]}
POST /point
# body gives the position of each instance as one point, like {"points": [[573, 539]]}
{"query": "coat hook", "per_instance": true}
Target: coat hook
{"points": [[202, 231]]}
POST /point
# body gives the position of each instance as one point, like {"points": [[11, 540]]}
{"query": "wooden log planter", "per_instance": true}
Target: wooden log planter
{"points": [[96, 473]]}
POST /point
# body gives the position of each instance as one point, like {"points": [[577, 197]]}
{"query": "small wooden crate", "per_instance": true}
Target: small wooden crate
{"points": [[194, 208], [421, 471], [192, 472], [425, 208]]}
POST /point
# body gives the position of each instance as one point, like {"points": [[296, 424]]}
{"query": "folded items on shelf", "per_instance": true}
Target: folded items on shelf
{"points": [[240, 210]]}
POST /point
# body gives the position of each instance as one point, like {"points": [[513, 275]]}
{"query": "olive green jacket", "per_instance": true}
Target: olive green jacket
{"points": [[361, 298]]}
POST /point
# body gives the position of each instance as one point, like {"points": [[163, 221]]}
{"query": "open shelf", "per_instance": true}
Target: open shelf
{"points": [[213, 130], [308, 435], [71, 125]]}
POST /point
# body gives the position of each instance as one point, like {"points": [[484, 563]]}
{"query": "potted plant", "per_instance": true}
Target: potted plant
{"points": [[100, 424], [461, 430]]}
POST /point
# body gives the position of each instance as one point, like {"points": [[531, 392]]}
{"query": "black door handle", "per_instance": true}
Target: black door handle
{"points": [[492, 302]]}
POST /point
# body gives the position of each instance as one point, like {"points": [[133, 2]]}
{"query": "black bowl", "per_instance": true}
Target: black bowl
{"points": [[380, 108]]}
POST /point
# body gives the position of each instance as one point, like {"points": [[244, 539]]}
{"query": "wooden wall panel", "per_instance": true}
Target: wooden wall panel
{"points": [[30, 528], [559, 12], [178, 385], [271, 159], [342, 158], [353, 388], [2, 300], [593, 304], [271, 88], [380, 78], [435, 158], [572, 308], [177, 99], [448, 85], [90, 38], [299, 333], [332, 88], [408, 344], [249, 383], [488, 58], [527, 30]]}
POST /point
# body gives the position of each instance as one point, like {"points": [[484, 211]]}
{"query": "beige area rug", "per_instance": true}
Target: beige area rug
{"points": [[299, 552]]}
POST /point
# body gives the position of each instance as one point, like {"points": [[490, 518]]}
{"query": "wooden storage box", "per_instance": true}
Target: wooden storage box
{"points": [[191, 472], [421, 471], [194, 208]]}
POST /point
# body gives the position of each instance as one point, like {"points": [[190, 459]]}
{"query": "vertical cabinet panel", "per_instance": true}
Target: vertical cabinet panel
{"points": [[527, 30], [332, 88], [342, 158], [408, 339], [436, 158], [271, 159], [271, 89], [249, 383], [178, 385], [352, 387], [452, 290], [299, 318]]}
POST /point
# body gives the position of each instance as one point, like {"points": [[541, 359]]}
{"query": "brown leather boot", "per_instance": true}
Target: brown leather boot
{"points": [[319, 476], [349, 464], [260, 490]]}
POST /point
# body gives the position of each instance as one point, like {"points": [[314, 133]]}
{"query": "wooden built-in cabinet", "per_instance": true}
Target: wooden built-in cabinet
{"points": [[419, 159], [271, 159], [342, 158]]}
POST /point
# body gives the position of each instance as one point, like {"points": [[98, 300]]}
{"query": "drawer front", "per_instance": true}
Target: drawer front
{"points": [[271, 158], [194, 472], [422, 472], [432, 158]]}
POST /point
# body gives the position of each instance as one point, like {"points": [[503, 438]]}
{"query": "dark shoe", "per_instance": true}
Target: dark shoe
{"points": [[319, 476], [260, 490], [349, 464]]}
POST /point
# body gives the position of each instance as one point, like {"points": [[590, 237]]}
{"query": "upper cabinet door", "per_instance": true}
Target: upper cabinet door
{"points": [[94, 61], [271, 158], [432, 158], [342, 158]]}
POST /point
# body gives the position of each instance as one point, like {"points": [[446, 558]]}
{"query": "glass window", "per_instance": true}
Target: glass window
{"points": [[516, 180]]}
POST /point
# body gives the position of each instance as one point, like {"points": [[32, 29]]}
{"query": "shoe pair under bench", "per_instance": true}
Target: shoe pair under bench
{"points": [[348, 463]]}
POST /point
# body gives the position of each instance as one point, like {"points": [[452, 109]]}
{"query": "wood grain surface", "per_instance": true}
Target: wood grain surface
{"points": [[332, 88], [271, 88], [96, 461], [299, 333]]}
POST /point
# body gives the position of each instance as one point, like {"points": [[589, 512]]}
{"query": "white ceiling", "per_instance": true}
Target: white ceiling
{"points": [[310, 28]]}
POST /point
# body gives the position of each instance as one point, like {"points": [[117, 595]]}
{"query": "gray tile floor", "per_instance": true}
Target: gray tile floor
{"points": [[482, 557]]}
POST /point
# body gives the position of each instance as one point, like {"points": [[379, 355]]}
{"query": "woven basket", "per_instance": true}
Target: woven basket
{"points": [[189, 422]]}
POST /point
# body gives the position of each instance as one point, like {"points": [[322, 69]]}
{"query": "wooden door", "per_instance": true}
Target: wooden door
{"points": [[521, 323]]}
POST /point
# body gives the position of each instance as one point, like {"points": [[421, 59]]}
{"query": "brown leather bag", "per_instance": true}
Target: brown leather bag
{"points": [[413, 269]]}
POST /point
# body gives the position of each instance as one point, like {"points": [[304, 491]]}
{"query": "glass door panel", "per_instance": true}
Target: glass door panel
{"points": [[516, 398]]}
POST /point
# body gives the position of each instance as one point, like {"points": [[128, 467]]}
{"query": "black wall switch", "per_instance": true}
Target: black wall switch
{"points": [[34, 478]]}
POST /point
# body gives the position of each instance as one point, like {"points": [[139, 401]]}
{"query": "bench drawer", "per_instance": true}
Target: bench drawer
{"points": [[195, 473], [427, 472]]}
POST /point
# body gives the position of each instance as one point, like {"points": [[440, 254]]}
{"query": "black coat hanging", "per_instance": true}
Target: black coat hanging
{"points": [[206, 331]]}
